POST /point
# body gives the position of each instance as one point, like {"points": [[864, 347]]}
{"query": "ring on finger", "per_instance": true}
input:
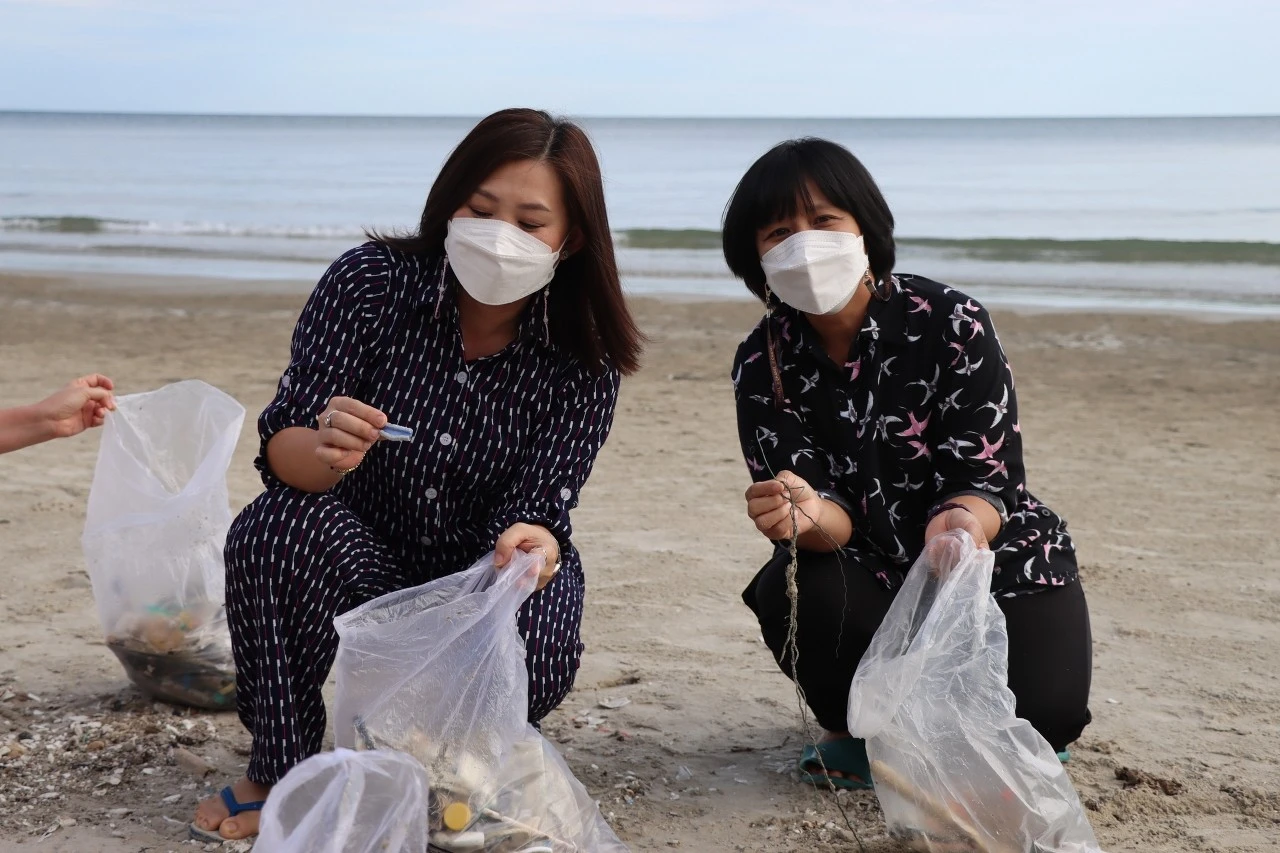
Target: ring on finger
{"points": [[328, 420], [543, 549]]}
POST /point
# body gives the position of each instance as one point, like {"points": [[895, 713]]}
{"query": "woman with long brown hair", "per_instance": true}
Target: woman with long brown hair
{"points": [[497, 334]]}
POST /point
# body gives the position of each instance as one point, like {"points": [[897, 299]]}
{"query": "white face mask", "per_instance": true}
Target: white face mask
{"points": [[816, 271], [496, 262]]}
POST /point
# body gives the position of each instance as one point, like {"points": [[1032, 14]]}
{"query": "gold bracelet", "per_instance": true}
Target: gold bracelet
{"points": [[342, 472]]}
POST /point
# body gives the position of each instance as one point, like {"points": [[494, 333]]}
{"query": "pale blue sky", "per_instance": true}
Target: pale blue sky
{"points": [[644, 57]]}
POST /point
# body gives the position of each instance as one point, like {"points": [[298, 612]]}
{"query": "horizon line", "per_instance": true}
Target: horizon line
{"points": [[1075, 117]]}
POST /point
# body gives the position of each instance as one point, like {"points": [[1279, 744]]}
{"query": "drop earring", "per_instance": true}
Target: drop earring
{"points": [[771, 351], [885, 287], [546, 313], [444, 274], [881, 290]]}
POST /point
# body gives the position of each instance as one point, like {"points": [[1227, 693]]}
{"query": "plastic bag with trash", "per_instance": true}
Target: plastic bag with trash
{"points": [[153, 536], [348, 802], [438, 671], [954, 769]]}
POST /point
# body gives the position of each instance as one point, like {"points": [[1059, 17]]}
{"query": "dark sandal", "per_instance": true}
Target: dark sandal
{"points": [[234, 808], [846, 755]]}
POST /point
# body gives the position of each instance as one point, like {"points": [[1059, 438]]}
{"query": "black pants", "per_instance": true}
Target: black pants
{"points": [[1050, 644]]}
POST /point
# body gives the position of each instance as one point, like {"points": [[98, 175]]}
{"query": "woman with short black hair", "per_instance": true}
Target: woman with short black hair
{"points": [[883, 406], [497, 333]]}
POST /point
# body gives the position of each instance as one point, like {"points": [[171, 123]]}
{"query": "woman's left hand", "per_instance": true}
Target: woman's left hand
{"points": [[957, 519], [944, 552], [530, 538]]}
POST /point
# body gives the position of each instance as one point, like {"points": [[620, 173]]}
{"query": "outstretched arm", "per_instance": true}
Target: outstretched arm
{"points": [[81, 405]]}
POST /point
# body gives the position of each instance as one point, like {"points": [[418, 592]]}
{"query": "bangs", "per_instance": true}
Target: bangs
{"points": [[776, 188]]}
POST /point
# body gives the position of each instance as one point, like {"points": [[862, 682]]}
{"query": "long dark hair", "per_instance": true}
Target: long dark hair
{"points": [[587, 311], [771, 188]]}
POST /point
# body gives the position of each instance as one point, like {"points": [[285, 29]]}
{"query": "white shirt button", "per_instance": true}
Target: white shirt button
{"points": [[446, 439], [426, 540], [432, 494], [462, 377], [565, 494]]}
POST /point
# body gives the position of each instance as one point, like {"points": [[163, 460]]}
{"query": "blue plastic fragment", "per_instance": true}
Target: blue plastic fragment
{"points": [[395, 432]]}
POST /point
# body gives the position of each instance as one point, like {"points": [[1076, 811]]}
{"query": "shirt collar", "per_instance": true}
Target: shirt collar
{"points": [[889, 315], [439, 295], [886, 320]]}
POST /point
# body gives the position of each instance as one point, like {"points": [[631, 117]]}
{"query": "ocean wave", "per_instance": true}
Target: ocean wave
{"points": [[139, 250], [992, 249], [1103, 251], [102, 225], [638, 238], [301, 252], [1017, 250], [668, 238]]}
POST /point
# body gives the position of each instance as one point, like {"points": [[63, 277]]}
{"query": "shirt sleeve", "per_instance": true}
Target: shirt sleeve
{"points": [[329, 341], [773, 438], [978, 446], [560, 460]]}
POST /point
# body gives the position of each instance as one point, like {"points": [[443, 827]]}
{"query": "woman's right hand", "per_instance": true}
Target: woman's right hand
{"points": [[769, 506], [81, 405], [347, 429]]}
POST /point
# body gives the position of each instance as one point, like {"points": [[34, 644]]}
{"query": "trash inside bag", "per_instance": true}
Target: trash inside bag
{"points": [[954, 769], [438, 671], [348, 802], [154, 531]]}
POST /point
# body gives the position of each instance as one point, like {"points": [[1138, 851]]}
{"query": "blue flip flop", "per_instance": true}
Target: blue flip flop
{"points": [[234, 808], [846, 755]]}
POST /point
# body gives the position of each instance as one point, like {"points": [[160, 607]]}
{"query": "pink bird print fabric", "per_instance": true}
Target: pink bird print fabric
{"points": [[922, 409]]}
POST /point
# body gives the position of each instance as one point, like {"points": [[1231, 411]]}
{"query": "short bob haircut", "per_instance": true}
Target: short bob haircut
{"points": [[587, 312], [777, 182]]}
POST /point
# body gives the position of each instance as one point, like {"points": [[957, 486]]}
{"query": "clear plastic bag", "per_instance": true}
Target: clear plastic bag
{"points": [[348, 802], [153, 536], [954, 769], [438, 671]]}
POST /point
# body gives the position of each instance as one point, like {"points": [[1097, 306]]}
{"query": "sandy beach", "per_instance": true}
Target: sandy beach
{"points": [[1155, 436]]}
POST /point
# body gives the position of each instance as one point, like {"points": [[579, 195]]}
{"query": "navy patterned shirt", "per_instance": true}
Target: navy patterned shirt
{"points": [[503, 439], [922, 410]]}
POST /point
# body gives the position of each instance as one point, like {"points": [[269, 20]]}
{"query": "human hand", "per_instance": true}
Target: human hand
{"points": [[348, 428], [530, 538], [944, 551], [81, 405], [769, 506]]}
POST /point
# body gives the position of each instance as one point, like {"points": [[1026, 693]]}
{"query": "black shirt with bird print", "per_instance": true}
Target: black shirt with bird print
{"points": [[922, 410]]}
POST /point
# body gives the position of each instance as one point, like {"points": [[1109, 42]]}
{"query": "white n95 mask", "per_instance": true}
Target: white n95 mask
{"points": [[496, 262], [816, 271]]}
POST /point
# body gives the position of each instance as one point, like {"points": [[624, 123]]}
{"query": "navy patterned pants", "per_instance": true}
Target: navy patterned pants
{"points": [[296, 560]]}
